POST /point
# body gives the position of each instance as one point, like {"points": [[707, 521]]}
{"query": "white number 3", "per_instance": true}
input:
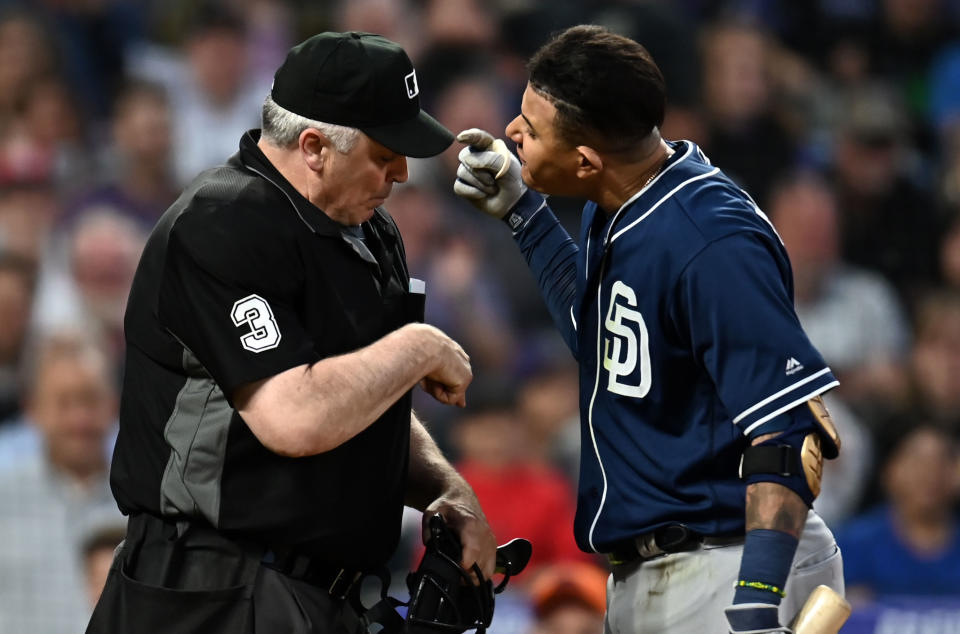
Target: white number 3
{"points": [[255, 312]]}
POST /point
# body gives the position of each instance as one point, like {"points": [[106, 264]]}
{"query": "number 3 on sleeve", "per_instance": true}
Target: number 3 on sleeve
{"points": [[255, 312]]}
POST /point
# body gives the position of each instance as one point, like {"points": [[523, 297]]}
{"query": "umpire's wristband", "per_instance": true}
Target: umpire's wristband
{"points": [[526, 208], [765, 566]]}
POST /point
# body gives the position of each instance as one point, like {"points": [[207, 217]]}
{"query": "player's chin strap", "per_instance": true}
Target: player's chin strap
{"points": [[443, 596]]}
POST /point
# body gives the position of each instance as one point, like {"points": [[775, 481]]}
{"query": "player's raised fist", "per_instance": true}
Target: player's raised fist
{"points": [[489, 174]]}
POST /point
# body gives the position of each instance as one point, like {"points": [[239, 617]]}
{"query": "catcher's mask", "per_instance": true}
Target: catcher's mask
{"points": [[444, 597]]}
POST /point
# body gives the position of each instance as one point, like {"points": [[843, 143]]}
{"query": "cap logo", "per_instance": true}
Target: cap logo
{"points": [[411, 81]]}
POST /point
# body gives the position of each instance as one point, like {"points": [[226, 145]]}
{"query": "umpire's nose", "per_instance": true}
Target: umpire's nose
{"points": [[398, 170]]}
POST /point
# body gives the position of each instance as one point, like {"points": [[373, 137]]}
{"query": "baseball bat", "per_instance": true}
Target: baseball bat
{"points": [[825, 612]]}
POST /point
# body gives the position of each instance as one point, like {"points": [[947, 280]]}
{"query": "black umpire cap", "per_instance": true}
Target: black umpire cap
{"points": [[364, 81]]}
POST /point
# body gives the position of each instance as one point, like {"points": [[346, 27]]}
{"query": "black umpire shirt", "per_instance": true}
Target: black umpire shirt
{"points": [[241, 279]]}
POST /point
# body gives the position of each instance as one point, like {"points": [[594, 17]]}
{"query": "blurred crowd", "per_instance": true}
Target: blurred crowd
{"points": [[840, 117]]}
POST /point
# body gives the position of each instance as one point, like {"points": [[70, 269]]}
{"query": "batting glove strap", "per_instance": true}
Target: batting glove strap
{"points": [[755, 618]]}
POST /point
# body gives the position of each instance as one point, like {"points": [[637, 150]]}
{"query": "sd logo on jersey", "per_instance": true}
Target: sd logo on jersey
{"points": [[627, 344]]}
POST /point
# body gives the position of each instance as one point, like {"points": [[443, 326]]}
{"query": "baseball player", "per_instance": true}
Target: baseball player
{"points": [[703, 430]]}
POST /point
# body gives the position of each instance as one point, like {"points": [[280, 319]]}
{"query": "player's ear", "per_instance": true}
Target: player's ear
{"points": [[314, 147], [589, 162]]}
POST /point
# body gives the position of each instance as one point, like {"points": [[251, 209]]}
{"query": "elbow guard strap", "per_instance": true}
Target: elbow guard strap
{"points": [[792, 460]]}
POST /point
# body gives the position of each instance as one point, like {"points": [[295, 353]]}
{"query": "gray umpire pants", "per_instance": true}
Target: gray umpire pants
{"points": [[686, 593]]}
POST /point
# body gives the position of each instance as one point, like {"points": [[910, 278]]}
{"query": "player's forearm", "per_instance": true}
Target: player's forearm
{"points": [[774, 518], [775, 507], [312, 409], [552, 257], [430, 475]]}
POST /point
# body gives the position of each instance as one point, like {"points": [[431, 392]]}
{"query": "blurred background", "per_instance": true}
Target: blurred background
{"points": [[840, 117]]}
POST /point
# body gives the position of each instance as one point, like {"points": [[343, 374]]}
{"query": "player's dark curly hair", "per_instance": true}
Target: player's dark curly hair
{"points": [[606, 88]]}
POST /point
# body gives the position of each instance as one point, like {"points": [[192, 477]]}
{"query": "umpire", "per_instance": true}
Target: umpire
{"points": [[267, 445]]}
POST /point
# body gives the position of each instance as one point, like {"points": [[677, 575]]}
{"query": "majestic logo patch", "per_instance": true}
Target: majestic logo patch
{"points": [[411, 81], [793, 366]]}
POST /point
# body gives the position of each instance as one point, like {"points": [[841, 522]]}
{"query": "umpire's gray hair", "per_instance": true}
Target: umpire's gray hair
{"points": [[282, 128]]}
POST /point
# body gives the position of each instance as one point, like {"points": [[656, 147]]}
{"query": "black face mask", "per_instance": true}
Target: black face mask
{"points": [[443, 596]]}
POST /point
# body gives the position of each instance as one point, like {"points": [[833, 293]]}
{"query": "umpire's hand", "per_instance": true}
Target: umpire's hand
{"points": [[462, 513], [450, 372]]}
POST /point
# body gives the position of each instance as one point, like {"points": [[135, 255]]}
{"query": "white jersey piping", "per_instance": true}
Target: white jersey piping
{"points": [[819, 390], [774, 397]]}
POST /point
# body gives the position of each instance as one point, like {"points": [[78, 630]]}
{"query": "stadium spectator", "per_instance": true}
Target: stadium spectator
{"points": [[888, 224], [27, 213], [744, 134], [105, 249], [950, 254], [944, 109], [17, 283], [25, 53], [91, 277], [852, 315], [949, 185], [911, 544], [138, 164], [521, 497], [396, 20], [45, 137], [463, 22], [465, 300], [91, 39], [903, 42], [469, 100], [548, 403], [935, 360], [97, 550], [46, 496], [569, 598], [213, 95]]}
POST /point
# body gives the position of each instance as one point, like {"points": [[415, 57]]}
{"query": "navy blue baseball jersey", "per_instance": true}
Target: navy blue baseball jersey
{"points": [[679, 309]]}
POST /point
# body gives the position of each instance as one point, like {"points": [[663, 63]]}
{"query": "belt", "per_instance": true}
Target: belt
{"points": [[338, 582], [173, 534], [666, 540]]}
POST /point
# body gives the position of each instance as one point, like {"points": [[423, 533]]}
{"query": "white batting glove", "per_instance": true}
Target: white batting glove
{"points": [[489, 174]]}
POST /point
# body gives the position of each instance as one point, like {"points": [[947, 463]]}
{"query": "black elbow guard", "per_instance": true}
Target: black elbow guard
{"points": [[794, 458]]}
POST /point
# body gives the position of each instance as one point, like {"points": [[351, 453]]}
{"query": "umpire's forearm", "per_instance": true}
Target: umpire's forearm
{"points": [[430, 475], [314, 408]]}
